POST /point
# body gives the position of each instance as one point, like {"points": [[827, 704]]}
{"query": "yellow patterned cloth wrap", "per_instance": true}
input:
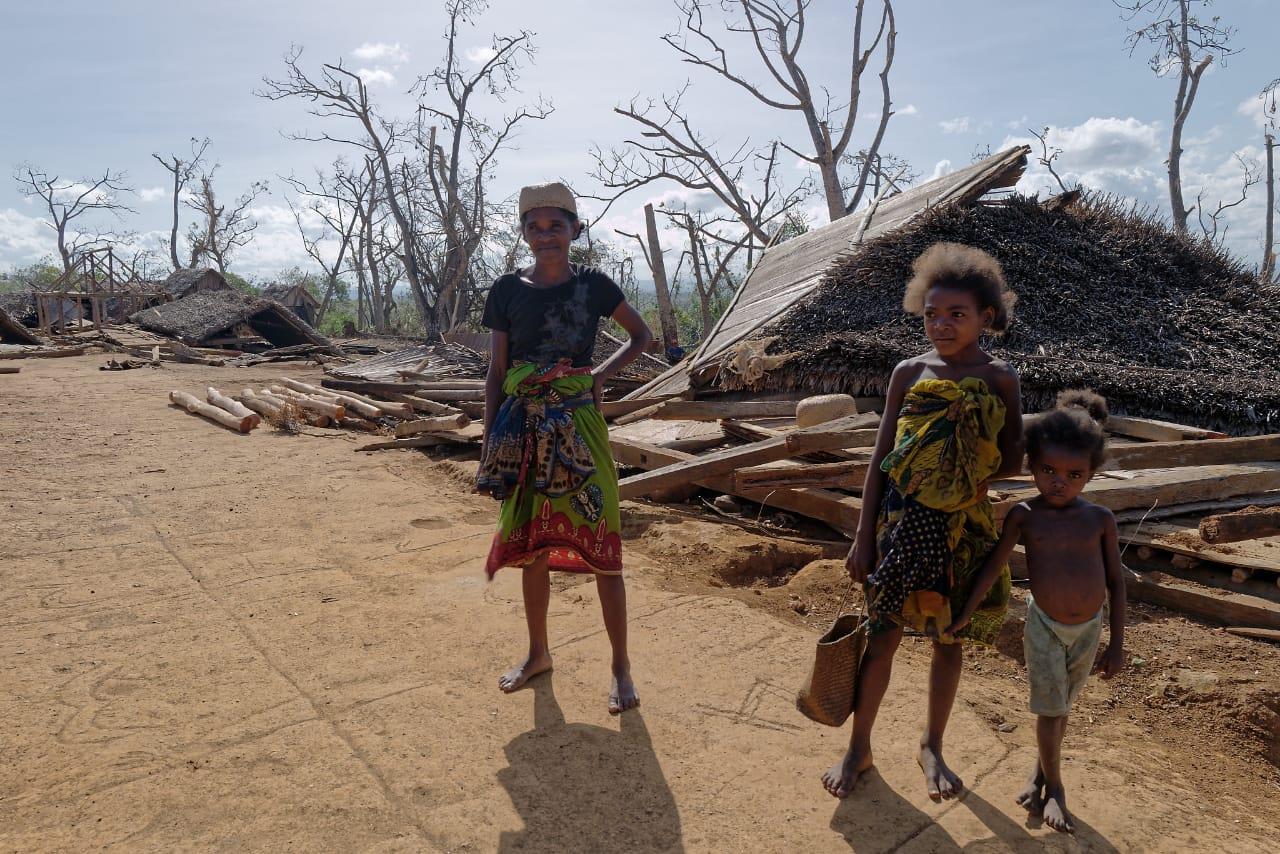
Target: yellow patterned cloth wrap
{"points": [[946, 449]]}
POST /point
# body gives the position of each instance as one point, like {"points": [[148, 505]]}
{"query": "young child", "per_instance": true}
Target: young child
{"points": [[952, 421], [1074, 562]]}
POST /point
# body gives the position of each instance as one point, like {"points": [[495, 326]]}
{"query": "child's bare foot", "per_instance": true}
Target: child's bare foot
{"points": [[1055, 810], [1032, 797], [841, 777], [622, 694], [516, 678], [942, 782]]}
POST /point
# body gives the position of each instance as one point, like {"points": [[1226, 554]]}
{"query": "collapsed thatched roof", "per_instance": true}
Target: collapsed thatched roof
{"points": [[208, 314], [290, 295], [1108, 298], [182, 283], [20, 306], [643, 369], [786, 273], [13, 332]]}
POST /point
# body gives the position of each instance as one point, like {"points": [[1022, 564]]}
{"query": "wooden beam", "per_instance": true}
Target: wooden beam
{"points": [[438, 424], [1183, 538], [1158, 487], [10, 369], [415, 442], [848, 474], [1194, 508], [835, 509], [841, 433], [1257, 634], [715, 410], [611, 409], [1194, 452], [44, 354], [1248, 524], [1157, 431], [1218, 606]]}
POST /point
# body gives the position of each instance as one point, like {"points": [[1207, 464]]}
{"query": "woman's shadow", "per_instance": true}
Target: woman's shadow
{"points": [[580, 787]]}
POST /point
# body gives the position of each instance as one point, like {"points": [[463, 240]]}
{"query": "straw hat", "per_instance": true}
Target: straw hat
{"points": [[553, 195]]}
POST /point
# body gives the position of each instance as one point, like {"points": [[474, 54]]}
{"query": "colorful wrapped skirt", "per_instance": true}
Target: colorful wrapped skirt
{"points": [[547, 458]]}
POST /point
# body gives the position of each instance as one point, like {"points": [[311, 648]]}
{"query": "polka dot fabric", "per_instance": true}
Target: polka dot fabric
{"points": [[917, 557]]}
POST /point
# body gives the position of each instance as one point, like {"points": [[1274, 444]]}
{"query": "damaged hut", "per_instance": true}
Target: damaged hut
{"points": [[184, 283], [296, 298], [230, 319], [1109, 297]]}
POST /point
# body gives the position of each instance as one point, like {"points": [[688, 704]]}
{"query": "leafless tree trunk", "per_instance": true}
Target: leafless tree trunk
{"points": [[182, 171], [1269, 235], [1188, 46], [222, 230], [67, 201], [335, 201], [666, 311]]}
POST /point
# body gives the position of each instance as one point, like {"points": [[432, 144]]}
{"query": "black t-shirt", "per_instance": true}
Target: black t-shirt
{"points": [[545, 325]]}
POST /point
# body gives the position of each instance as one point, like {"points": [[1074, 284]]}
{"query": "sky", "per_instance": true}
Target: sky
{"points": [[103, 85]]}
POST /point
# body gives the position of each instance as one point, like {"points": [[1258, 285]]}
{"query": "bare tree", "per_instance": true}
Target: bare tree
{"points": [[222, 229], [1214, 229], [1184, 45], [776, 29], [1049, 154], [1269, 107], [434, 170], [67, 201], [333, 208], [183, 171], [711, 269]]}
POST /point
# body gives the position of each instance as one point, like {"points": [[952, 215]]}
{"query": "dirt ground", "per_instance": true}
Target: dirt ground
{"points": [[215, 641]]}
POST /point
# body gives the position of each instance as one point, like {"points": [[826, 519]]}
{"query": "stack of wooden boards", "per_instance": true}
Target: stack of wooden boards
{"points": [[413, 422], [1196, 504]]}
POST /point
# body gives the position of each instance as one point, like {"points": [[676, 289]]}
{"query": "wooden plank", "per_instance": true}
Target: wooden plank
{"points": [[1216, 606], [841, 433], [847, 474], [835, 509], [1194, 452], [1248, 524], [1256, 634], [415, 442], [611, 409], [1158, 487], [715, 410], [48, 353], [1195, 508], [1157, 431], [1183, 538]]}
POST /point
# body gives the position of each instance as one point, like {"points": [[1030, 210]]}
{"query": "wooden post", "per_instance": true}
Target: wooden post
{"points": [[1249, 524], [666, 312]]}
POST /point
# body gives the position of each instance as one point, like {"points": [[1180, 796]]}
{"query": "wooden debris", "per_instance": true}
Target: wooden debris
{"points": [[421, 404], [1157, 431], [266, 408], [432, 425], [612, 409], [1257, 634], [1239, 574], [715, 410], [1219, 606], [220, 416], [365, 406], [10, 369], [182, 353], [43, 353], [841, 433], [414, 442], [220, 400], [1247, 524], [849, 474], [335, 411], [1194, 452], [1189, 508]]}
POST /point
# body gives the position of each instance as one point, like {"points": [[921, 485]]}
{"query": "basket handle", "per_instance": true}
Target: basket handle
{"points": [[845, 598]]}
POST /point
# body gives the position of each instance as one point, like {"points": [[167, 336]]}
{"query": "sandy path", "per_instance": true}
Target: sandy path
{"points": [[217, 641]]}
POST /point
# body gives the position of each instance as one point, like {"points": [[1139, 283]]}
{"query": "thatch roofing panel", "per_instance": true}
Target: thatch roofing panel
{"points": [[15, 333], [180, 282], [206, 314]]}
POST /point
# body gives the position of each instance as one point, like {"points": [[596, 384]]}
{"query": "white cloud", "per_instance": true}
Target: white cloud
{"points": [[381, 51], [961, 124], [480, 54], [1252, 109], [150, 194], [942, 167], [24, 238], [376, 76], [1018, 124], [908, 110]]}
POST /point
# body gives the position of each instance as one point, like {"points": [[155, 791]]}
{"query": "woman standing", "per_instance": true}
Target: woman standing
{"points": [[546, 450]]}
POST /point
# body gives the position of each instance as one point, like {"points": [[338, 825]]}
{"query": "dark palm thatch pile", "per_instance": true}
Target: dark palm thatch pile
{"points": [[1108, 298], [20, 306], [209, 314]]}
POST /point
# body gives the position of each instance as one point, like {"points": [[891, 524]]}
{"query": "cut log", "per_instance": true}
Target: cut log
{"points": [[1156, 431], [262, 406], [1184, 561], [1240, 574], [850, 474], [369, 409], [312, 417], [235, 407], [10, 369], [219, 416], [1146, 553], [335, 411], [1216, 606], [1194, 452], [421, 404], [432, 425], [1160, 487], [611, 409], [835, 509], [715, 410], [1248, 524], [841, 433], [367, 387]]}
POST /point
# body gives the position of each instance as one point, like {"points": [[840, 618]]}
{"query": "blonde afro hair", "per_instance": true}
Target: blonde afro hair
{"points": [[963, 268]]}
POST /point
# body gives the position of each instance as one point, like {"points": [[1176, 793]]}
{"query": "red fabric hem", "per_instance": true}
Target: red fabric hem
{"points": [[569, 548]]}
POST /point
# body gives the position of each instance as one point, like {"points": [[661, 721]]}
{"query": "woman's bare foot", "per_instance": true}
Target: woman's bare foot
{"points": [[1032, 797], [622, 694], [942, 782], [1055, 810], [841, 777], [516, 678]]}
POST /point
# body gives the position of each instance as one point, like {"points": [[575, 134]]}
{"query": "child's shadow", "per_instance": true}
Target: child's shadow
{"points": [[580, 787]]}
